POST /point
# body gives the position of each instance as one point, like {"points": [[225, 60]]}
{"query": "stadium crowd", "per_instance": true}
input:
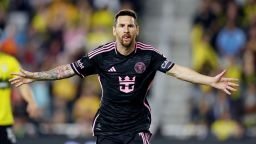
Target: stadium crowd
{"points": [[224, 36]]}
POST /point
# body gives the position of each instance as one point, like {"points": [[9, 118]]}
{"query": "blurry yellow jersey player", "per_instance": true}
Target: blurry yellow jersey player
{"points": [[8, 65]]}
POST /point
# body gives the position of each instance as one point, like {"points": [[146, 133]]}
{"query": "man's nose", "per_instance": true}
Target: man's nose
{"points": [[126, 29]]}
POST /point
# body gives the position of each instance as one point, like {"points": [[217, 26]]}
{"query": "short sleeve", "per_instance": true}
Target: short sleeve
{"points": [[84, 67], [161, 63]]}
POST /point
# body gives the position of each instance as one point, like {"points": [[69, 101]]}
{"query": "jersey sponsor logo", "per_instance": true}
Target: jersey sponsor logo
{"points": [[140, 67], [80, 64], [126, 84], [112, 69], [166, 64]]}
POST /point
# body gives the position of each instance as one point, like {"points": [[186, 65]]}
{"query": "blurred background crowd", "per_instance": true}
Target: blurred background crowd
{"points": [[42, 34], [224, 36]]}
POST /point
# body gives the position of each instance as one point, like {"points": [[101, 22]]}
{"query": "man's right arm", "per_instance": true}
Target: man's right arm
{"points": [[60, 72], [24, 77]]}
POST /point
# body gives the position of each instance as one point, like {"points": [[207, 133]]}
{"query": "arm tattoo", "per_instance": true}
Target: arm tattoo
{"points": [[60, 72]]}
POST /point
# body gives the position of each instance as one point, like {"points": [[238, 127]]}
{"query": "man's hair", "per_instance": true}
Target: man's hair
{"points": [[126, 12]]}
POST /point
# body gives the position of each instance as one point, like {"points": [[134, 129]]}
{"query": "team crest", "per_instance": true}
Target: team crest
{"points": [[140, 67]]}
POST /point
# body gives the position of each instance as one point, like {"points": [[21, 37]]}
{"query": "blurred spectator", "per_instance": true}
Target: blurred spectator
{"points": [[205, 17], [102, 18], [74, 40], [61, 13], [42, 98], [84, 14], [205, 59], [8, 41], [250, 12], [86, 107], [101, 24], [110, 5], [225, 128], [250, 71], [2, 18], [250, 57], [231, 39], [236, 102], [39, 21]]}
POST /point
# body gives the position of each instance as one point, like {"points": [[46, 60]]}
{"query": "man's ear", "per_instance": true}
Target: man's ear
{"points": [[114, 30], [138, 30]]}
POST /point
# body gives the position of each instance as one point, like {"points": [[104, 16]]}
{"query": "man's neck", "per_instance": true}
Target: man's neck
{"points": [[125, 50]]}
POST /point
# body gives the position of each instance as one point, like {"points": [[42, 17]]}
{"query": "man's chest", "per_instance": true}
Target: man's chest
{"points": [[125, 74], [133, 66]]}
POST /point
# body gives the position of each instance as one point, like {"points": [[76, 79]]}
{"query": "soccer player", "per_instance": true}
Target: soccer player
{"points": [[126, 69], [9, 64]]}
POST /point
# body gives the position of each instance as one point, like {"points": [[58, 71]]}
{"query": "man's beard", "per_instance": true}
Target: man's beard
{"points": [[126, 45]]}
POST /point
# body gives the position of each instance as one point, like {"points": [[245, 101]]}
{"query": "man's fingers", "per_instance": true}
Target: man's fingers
{"points": [[18, 74], [227, 92], [25, 73], [19, 84], [230, 88], [233, 84], [230, 80], [220, 75], [22, 73], [14, 79]]}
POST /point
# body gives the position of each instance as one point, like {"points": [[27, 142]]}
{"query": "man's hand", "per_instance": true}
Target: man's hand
{"points": [[225, 84], [22, 77], [33, 110]]}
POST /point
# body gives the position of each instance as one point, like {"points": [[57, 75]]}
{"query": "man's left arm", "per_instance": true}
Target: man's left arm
{"points": [[219, 82]]}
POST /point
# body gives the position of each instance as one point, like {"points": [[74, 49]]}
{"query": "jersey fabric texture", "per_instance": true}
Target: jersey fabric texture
{"points": [[125, 81], [8, 65]]}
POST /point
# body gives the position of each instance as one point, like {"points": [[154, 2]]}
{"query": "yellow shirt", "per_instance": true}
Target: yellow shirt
{"points": [[8, 64], [224, 129]]}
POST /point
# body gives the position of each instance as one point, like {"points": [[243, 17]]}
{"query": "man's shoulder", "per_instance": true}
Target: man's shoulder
{"points": [[102, 49], [146, 47], [143, 43]]}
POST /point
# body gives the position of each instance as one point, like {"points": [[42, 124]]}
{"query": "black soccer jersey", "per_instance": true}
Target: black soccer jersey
{"points": [[125, 81]]}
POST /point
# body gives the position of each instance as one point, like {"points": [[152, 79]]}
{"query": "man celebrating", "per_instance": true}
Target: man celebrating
{"points": [[126, 69]]}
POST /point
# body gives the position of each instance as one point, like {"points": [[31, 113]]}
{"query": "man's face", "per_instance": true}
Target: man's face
{"points": [[125, 30]]}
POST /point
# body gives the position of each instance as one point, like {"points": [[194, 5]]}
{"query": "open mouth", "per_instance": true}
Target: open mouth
{"points": [[126, 37]]}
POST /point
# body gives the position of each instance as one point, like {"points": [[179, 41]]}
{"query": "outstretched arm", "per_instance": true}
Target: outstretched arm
{"points": [[219, 82], [24, 77]]}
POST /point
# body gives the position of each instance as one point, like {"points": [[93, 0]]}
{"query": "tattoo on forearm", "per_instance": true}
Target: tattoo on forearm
{"points": [[59, 72]]}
